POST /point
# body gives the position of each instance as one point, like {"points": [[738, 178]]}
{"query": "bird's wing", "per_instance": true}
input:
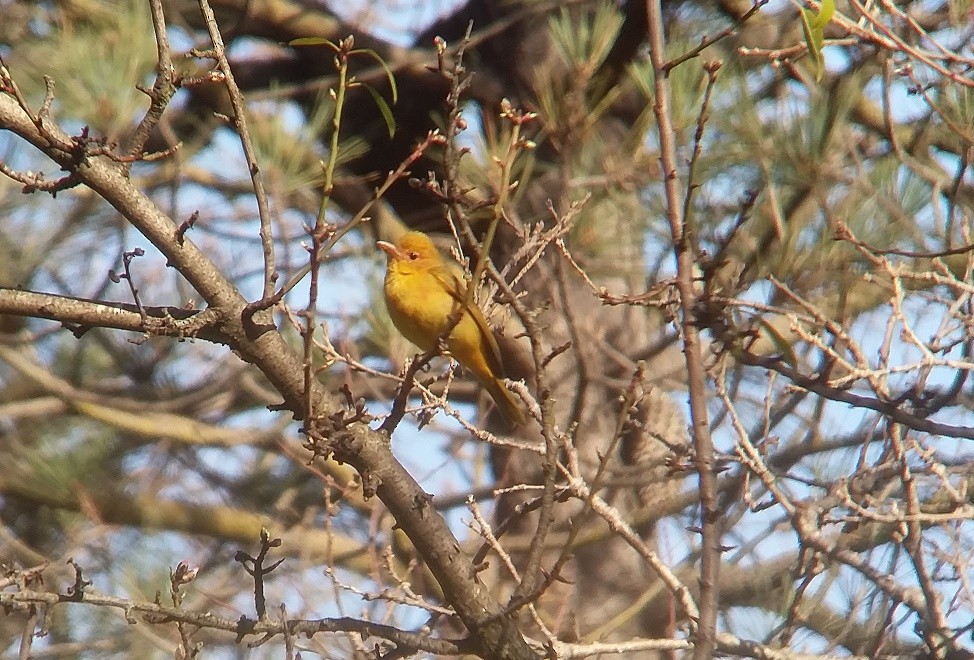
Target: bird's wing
{"points": [[458, 290]]}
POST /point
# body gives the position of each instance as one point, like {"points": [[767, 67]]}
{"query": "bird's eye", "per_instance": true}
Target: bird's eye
{"points": [[413, 256]]}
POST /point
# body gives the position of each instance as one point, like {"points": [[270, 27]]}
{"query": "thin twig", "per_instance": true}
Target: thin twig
{"points": [[685, 251], [240, 123]]}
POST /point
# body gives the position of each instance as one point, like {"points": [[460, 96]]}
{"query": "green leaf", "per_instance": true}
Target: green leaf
{"points": [[813, 25], [313, 41], [784, 347], [392, 80], [825, 13], [383, 108]]}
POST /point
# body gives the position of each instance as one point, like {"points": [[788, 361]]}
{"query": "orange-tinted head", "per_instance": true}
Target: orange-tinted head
{"points": [[414, 251]]}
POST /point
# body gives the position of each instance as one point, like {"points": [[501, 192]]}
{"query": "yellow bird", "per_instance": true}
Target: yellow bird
{"points": [[422, 293]]}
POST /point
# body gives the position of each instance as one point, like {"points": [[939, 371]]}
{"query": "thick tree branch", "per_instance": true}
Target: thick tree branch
{"points": [[257, 341]]}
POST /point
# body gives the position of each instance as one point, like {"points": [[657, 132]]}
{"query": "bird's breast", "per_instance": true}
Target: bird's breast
{"points": [[419, 306]]}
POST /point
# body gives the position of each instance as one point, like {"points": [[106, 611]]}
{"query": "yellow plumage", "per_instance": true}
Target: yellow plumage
{"points": [[422, 293]]}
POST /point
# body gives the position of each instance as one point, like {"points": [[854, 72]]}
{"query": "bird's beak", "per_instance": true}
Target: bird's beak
{"points": [[389, 249]]}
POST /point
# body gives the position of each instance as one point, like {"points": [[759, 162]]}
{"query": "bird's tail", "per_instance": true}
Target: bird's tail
{"points": [[508, 404]]}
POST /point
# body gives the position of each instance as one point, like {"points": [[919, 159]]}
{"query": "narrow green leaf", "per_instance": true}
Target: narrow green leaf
{"points": [[825, 13], [383, 108], [784, 347], [313, 41], [392, 79], [814, 39]]}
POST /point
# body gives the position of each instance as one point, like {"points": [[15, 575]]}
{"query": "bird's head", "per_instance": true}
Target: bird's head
{"points": [[412, 252]]}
